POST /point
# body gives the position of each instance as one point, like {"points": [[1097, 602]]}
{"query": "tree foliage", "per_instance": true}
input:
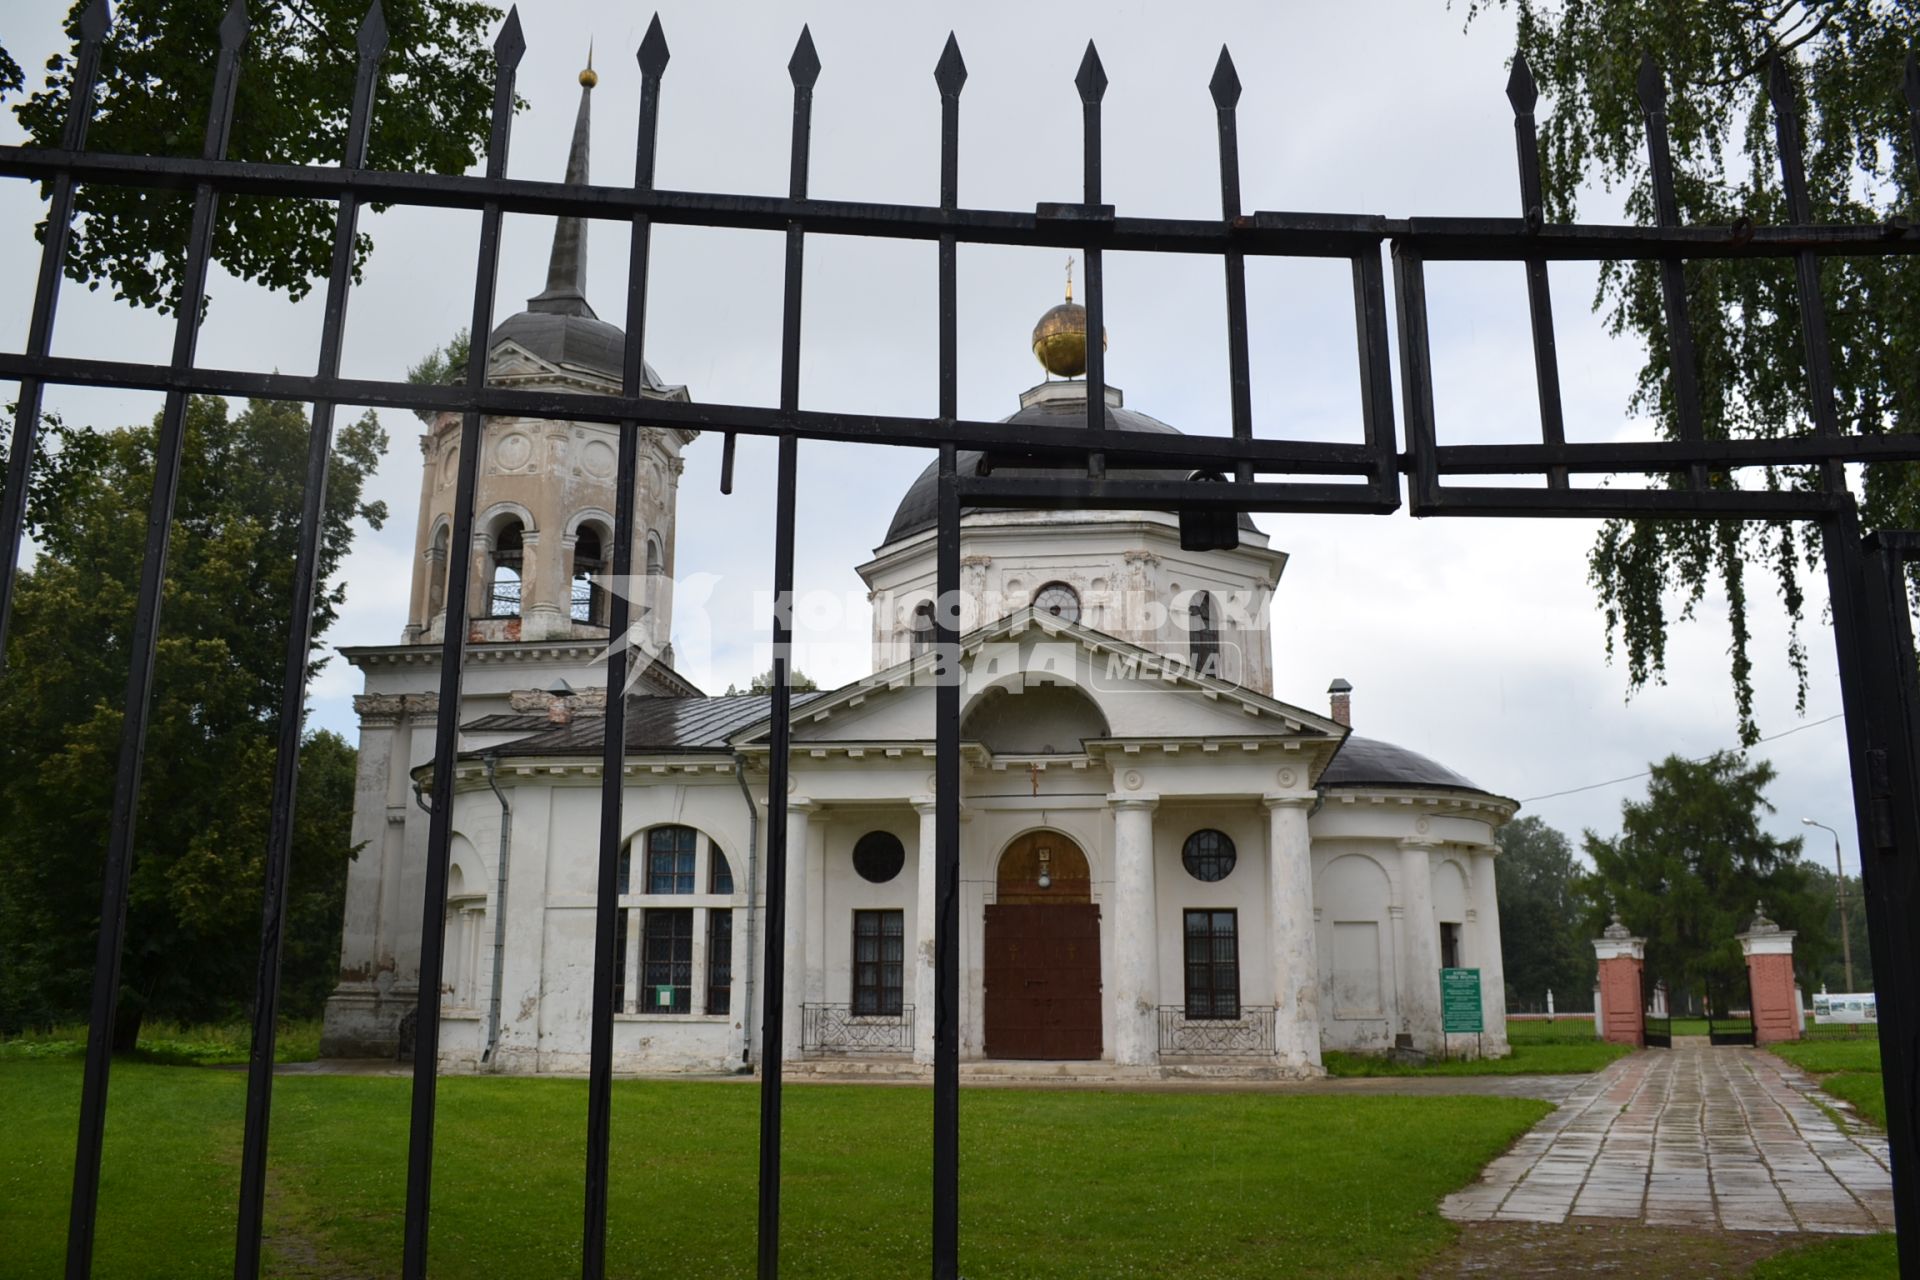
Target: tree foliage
{"points": [[1845, 60], [441, 367], [1544, 942], [296, 82], [1690, 865], [194, 906]]}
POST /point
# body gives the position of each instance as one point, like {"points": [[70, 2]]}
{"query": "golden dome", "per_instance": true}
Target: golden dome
{"points": [[1060, 339]]}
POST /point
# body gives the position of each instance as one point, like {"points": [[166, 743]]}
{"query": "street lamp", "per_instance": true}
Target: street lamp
{"points": [[1840, 894]]}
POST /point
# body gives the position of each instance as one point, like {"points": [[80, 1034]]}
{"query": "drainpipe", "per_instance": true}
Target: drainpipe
{"points": [[753, 878], [499, 914]]}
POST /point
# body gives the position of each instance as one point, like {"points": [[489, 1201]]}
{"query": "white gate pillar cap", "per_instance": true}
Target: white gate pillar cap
{"points": [[1616, 940], [1765, 938]]}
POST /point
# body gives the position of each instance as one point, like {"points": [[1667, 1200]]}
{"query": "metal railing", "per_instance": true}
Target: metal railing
{"points": [[828, 1029], [1249, 1034], [1237, 472]]}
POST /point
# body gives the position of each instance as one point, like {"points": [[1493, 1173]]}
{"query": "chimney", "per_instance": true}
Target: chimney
{"points": [[1341, 695]]}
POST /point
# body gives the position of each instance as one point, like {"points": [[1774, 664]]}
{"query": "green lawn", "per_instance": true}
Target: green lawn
{"points": [[1053, 1184], [1846, 1067], [201, 1045], [1539, 1048], [1847, 1258]]}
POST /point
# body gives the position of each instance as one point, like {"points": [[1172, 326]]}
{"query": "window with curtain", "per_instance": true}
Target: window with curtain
{"points": [[879, 954]]}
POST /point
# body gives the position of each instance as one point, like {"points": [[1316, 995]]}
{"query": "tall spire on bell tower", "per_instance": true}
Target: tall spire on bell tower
{"points": [[566, 291]]}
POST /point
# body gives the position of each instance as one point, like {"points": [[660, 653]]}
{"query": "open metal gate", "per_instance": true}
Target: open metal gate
{"points": [[1236, 473]]}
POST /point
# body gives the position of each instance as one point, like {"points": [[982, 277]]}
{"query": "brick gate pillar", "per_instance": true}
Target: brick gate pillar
{"points": [[1620, 1013], [1776, 1004]]}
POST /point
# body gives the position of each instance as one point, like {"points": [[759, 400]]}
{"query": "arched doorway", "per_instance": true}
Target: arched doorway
{"points": [[1043, 953]]}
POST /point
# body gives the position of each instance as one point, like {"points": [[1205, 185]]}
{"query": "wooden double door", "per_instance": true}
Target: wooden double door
{"points": [[1043, 954]]}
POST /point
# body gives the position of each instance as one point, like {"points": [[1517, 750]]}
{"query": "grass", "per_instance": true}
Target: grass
{"points": [[1052, 1184], [1848, 1068], [1539, 1048], [197, 1045], [1846, 1258]]}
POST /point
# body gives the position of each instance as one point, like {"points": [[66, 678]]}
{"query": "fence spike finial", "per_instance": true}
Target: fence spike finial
{"points": [[233, 27], [804, 66], [1522, 91], [950, 73], [372, 40], [1091, 79], [510, 43], [1652, 86], [1225, 85], [653, 52], [94, 21]]}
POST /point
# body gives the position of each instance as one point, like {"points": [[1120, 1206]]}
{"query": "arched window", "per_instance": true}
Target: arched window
{"points": [[923, 632], [656, 556], [509, 556], [670, 854], [589, 562], [1208, 855], [437, 573], [1058, 599], [1203, 634], [719, 874]]}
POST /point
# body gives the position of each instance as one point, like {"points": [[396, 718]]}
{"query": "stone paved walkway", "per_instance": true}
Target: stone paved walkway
{"points": [[1692, 1136]]}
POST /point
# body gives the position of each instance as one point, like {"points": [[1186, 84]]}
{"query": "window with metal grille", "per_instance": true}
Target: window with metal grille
{"points": [[879, 952], [666, 962], [509, 557], [1208, 855], [670, 853], [719, 874], [719, 961], [1449, 945], [1213, 964], [621, 931]]}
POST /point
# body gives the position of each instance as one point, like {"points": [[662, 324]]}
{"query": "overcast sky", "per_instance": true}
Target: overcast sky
{"points": [[1474, 641]]}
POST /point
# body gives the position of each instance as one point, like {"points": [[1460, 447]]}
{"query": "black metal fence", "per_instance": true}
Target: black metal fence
{"points": [[1240, 472]]}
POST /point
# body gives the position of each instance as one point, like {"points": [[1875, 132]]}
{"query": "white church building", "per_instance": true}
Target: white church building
{"points": [[1164, 867]]}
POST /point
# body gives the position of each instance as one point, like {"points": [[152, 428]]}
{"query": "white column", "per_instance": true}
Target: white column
{"points": [[924, 910], [1136, 934], [1493, 969], [1419, 946], [1296, 959], [799, 836]]}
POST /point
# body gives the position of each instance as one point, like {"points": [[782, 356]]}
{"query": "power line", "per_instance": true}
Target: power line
{"points": [[1595, 786]]}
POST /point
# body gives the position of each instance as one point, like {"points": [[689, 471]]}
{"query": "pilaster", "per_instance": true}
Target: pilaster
{"points": [[1136, 951], [1295, 959]]}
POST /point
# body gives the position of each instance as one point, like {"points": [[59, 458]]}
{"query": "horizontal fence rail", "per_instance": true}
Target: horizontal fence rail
{"points": [[1695, 477]]}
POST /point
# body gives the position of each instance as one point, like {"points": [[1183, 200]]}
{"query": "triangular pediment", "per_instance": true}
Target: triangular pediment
{"points": [[1141, 695]]}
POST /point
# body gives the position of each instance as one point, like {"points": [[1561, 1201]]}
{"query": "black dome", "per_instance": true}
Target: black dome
{"points": [[580, 341], [1370, 762], [918, 511]]}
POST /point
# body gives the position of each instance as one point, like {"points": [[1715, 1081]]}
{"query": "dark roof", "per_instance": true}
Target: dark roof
{"points": [[582, 341], [658, 724], [508, 722], [917, 512], [1370, 762]]}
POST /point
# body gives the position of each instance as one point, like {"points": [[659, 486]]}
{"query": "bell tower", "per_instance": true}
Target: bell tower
{"points": [[541, 556]]}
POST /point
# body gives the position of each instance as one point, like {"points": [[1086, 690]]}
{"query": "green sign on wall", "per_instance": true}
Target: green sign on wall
{"points": [[1460, 1000]]}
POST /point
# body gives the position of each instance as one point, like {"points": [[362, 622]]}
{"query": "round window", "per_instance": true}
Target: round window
{"points": [[878, 856], [1208, 855], [1058, 599]]}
